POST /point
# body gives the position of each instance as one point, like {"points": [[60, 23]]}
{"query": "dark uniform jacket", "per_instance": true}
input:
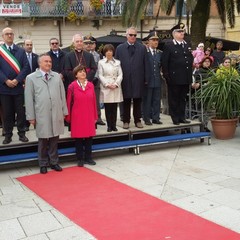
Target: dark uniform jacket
{"points": [[155, 78], [134, 69], [177, 63], [6, 72]]}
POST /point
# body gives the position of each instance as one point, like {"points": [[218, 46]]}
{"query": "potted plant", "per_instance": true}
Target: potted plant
{"points": [[220, 94]]}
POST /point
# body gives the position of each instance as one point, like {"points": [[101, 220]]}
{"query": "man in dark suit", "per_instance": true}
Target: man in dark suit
{"points": [[152, 98], [79, 57], [14, 68], [32, 57], [177, 61], [58, 59], [33, 63], [133, 57]]}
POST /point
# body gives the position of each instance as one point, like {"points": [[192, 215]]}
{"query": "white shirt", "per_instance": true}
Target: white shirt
{"points": [[152, 50]]}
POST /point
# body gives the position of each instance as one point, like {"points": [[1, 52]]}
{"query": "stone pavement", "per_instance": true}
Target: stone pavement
{"points": [[202, 179]]}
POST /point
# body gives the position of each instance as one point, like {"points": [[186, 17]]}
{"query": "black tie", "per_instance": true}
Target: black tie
{"points": [[182, 45], [10, 50], [154, 52], [46, 76]]}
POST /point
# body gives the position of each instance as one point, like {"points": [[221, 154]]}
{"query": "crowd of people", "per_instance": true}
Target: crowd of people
{"points": [[212, 62], [58, 88]]}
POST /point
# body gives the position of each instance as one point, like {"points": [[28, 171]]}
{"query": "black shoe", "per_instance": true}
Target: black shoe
{"points": [[7, 140], [114, 129], [156, 122], [148, 123], [109, 129], [43, 170], [90, 162], [100, 122], [80, 163], [23, 139], [176, 123], [184, 121], [56, 167]]}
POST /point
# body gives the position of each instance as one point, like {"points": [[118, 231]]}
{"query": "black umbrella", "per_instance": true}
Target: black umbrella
{"points": [[113, 39], [227, 44]]}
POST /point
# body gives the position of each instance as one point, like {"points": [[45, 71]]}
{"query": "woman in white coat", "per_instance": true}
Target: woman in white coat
{"points": [[110, 75]]}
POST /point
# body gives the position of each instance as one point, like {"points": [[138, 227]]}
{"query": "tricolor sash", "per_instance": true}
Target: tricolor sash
{"points": [[10, 59]]}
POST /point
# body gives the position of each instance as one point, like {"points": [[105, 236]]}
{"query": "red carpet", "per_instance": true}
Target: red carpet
{"points": [[110, 210]]}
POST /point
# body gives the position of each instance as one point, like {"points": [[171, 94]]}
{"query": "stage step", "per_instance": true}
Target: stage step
{"points": [[129, 144]]}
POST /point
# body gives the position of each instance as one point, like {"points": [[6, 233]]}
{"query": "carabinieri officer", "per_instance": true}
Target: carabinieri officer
{"points": [[177, 63]]}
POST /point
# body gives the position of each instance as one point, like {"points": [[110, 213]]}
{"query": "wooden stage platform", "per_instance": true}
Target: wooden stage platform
{"points": [[155, 130]]}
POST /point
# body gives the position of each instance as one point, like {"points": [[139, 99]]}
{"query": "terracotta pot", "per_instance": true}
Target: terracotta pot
{"points": [[224, 128]]}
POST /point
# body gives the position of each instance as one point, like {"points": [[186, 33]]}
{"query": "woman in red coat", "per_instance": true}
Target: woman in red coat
{"points": [[81, 103]]}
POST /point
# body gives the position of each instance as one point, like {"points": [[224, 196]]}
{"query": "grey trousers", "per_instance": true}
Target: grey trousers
{"points": [[48, 151]]}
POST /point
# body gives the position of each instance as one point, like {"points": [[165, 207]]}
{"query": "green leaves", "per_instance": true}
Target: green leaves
{"points": [[221, 93], [133, 12]]}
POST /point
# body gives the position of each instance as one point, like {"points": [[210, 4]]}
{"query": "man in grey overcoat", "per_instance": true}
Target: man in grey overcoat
{"points": [[46, 108], [133, 57]]}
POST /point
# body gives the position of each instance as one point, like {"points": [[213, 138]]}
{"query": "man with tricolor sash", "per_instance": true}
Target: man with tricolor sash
{"points": [[14, 68]]}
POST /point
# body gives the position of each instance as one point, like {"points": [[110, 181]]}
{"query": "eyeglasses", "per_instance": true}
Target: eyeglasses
{"points": [[8, 34], [54, 43], [132, 35]]}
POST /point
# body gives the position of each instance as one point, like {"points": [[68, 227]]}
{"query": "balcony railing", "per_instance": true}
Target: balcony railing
{"points": [[62, 8]]}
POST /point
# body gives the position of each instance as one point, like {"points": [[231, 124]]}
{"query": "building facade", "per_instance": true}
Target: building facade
{"points": [[41, 20]]}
